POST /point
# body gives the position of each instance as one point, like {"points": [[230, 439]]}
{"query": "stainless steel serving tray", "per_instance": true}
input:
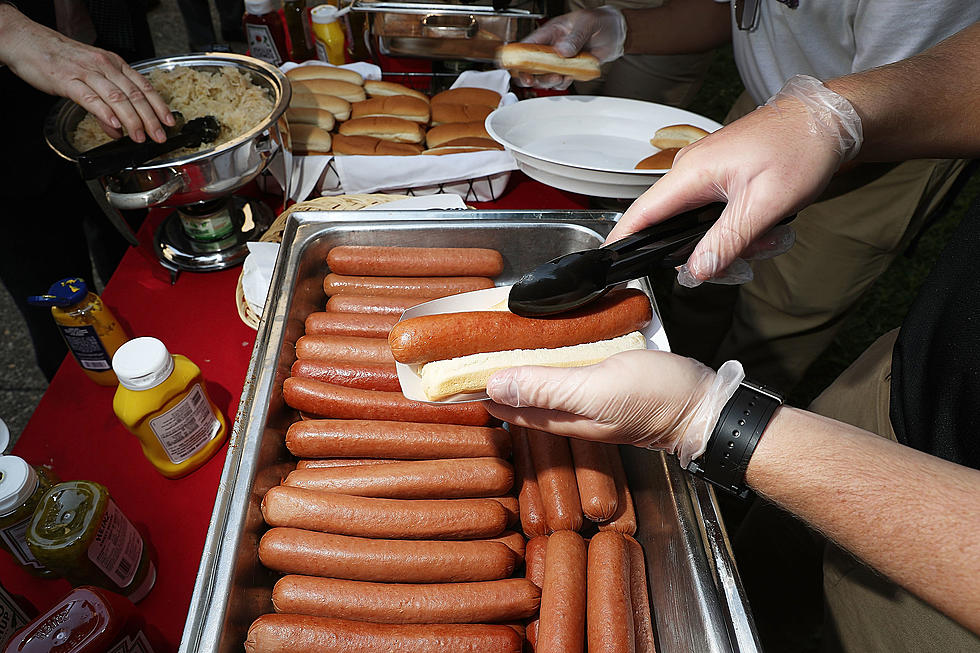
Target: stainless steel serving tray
{"points": [[696, 595]]}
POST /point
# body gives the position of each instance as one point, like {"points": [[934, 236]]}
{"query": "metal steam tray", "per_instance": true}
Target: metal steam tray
{"points": [[696, 596]]}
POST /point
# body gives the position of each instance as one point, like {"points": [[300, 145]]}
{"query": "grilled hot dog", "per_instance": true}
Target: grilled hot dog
{"points": [[336, 284], [334, 349], [561, 628], [415, 261], [349, 324], [366, 376], [624, 521], [556, 480], [533, 519], [373, 305], [593, 473], [610, 609]]}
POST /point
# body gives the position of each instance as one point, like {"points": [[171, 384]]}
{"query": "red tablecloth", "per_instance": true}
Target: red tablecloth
{"points": [[75, 431]]}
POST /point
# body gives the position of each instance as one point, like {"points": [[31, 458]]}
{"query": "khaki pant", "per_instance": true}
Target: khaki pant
{"points": [[665, 79], [779, 323]]}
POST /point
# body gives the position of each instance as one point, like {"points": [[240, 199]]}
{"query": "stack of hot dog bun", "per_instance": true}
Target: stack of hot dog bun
{"points": [[398, 527]]}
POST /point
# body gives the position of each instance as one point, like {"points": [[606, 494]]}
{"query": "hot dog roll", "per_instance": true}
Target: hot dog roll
{"points": [[662, 160], [338, 438], [367, 376], [335, 87], [445, 112], [514, 541], [640, 599], [310, 139], [624, 521], [321, 463], [534, 556], [462, 149], [402, 519], [371, 146], [431, 287], [610, 610], [295, 551], [538, 59], [453, 478], [309, 116], [353, 349], [339, 107], [341, 324], [437, 337], [415, 261], [476, 602], [556, 480], [335, 401], [593, 473], [485, 143], [441, 134], [467, 95], [384, 127], [533, 520], [397, 106], [561, 625], [390, 305], [385, 89], [293, 633], [322, 71], [677, 136]]}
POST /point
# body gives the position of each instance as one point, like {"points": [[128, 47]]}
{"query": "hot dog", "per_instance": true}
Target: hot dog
{"points": [[349, 324], [366, 376], [640, 600], [534, 555], [593, 473], [419, 519], [415, 261], [533, 520], [321, 463], [556, 480], [292, 633], [335, 284], [373, 305], [295, 551], [624, 521], [513, 541], [406, 603], [337, 438], [610, 611], [450, 335], [454, 478], [335, 401], [561, 628], [334, 349], [509, 504]]}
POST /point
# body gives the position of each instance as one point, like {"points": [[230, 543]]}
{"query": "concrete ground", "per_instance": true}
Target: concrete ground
{"points": [[21, 382]]}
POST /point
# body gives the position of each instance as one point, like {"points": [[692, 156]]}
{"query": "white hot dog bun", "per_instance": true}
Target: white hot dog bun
{"points": [[320, 71], [540, 59], [384, 127], [338, 88], [677, 136], [445, 378]]}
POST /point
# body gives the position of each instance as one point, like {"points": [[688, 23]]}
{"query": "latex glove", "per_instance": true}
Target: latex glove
{"points": [[98, 80], [651, 399], [766, 166], [601, 32]]}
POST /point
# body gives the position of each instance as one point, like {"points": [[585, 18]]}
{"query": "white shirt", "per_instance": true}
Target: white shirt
{"points": [[831, 38]]}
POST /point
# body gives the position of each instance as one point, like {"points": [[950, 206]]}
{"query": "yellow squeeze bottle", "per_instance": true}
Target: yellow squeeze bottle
{"points": [[329, 35], [163, 400]]}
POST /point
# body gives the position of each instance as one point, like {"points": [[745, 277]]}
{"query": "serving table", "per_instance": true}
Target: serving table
{"points": [[75, 431]]}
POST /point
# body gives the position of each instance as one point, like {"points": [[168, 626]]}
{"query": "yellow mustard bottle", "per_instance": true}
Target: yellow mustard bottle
{"points": [[329, 34], [89, 328], [163, 400]]}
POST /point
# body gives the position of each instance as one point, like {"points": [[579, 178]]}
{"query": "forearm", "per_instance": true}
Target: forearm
{"points": [[678, 27], [11, 23], [920, 107], [911, 516]]}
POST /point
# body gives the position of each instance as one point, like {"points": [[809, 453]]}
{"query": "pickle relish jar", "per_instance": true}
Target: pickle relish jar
{"points": [[21, 488], [80, 533]]}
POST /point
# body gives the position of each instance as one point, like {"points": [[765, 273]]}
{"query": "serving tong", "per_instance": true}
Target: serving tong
{"points": [[124, 153], [575, 279]]}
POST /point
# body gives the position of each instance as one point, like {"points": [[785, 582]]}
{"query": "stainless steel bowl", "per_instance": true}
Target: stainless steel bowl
{"points": [[197, 177]]}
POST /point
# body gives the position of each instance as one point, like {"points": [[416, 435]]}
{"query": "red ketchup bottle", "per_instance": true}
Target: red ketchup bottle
{"points": [[264, 30], [88, 620]]}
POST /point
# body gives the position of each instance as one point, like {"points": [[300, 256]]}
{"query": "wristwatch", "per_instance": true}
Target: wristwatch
{"points": [[735, 437]]}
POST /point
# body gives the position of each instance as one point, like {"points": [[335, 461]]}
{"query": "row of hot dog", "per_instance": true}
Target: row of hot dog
{"points": [[393, 528]]}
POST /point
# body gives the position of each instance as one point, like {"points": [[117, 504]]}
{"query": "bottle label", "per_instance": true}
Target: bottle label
{"points": [[261, 44], [86, 346], [207, 228], [15, 537], [117, 546], [12, 616], [187, 427]]}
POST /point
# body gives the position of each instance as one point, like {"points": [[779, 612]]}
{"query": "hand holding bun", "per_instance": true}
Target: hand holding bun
{"points": [[538, 59]]}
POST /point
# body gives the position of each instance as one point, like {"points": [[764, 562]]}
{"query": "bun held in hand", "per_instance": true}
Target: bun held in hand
{"points": [[538, 59]]}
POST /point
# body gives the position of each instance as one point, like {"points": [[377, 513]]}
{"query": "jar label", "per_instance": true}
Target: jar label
{"points": [[261, 45], [187, 427], [207, 228], [86, 346], [15, 537], [12, 616], [117, 546], [135, 644]]}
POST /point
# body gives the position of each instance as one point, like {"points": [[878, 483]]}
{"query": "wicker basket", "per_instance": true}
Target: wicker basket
{"points": [[274, 234]]}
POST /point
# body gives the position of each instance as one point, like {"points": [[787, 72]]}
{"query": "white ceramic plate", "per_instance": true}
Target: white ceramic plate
{"points": [[587, 144]]}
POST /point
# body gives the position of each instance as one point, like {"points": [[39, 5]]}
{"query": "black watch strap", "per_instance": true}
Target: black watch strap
{"points": [[735, 437]]}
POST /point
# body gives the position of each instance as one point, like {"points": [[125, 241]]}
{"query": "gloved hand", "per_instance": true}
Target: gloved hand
{"points": [[766, 166], [651, 399], [601, 32]]}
